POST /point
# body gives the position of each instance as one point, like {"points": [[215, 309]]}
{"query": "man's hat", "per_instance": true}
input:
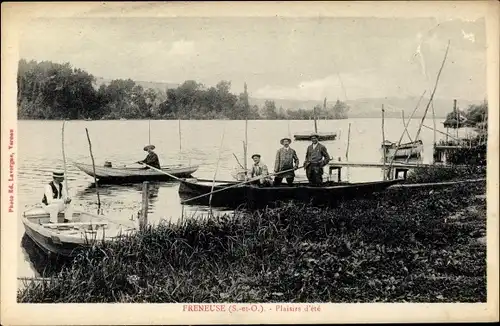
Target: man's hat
{"points": [[258, 155], [286, 138], [314, 135], [147, 147], [58, 174]]}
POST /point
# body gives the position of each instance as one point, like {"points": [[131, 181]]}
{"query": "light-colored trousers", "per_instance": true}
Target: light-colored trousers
{"points": [[58, 206]]}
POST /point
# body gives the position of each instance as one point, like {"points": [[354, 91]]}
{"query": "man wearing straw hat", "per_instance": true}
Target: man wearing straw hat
{"points": [[316, 158], [55, 199], [286, 159], [152, 158]]}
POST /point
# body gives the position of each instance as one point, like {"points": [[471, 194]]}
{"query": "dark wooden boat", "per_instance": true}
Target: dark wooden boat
{"points": [[254, 196], [322, 136], [130, 175]]}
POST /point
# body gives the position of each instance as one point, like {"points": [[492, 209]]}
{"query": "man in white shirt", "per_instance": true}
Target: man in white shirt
{"points": [[55, 199]]}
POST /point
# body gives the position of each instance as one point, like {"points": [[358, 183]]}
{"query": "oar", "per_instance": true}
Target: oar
{"points": [[238, 184], [161, 171]]}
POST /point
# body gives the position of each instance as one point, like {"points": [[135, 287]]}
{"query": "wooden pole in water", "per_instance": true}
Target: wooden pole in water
{"points": [[149, 131], [217, 168], [93, 167], [180, 136], [383, 142], [348, 140], [457, 116], [406, 129], [64, 161], [404, 124], [434, 124], [145, 205], [432, 95]]}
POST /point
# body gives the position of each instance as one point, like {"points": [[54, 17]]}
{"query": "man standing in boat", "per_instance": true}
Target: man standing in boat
{"points": [[259, 169], [286, 159], [151, 159], [55, 199], [316, 158]]}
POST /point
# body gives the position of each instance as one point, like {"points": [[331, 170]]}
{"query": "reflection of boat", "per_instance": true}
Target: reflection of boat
{"points": [[412, 149], [63, 238], [39, 261], [255, 196], [129, 175]]}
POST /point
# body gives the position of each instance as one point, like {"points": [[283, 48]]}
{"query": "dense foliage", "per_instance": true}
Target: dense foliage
{"points": [[475, 115], [403, 245], [49, 90]]}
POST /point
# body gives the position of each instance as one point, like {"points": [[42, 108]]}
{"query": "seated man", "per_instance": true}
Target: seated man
{"points": [[259, 169], [152, 158], [56, 199]]}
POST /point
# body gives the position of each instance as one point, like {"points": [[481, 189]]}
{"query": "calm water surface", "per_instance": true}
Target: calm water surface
{"points": [[121, 142]]}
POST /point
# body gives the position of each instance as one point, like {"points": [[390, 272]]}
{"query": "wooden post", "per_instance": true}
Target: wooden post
{"points": [[93, 167], [145, 205], [455, 109], [64, 161], [348, 140], [432, 96], [149, 131], [404, 124], [217, 169], [315, 120], [383, 141], [180, 136]]}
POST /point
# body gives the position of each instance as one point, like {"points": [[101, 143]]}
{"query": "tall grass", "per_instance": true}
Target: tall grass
{"points": [[399, 246]]}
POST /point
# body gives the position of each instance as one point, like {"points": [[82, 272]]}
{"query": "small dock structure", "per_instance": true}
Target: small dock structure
{"points": [[396, 170]]}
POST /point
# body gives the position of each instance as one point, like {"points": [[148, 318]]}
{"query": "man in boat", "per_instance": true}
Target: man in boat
{"points": [[259, 169], [286, 159], [56, 200], [152, 158], [316, 158]]}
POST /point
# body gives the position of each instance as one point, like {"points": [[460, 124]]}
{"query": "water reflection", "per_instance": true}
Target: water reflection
{"points": [[43, 264], [89, 192]]}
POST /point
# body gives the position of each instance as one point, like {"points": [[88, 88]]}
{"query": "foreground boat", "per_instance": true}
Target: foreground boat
{"points": [[322, 136], [84, 229], [412, 149], [254, 196], [130, 175]]}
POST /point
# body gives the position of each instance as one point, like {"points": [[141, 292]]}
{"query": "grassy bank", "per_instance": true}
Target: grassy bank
{"points": [[417, 246], [438, 173]]}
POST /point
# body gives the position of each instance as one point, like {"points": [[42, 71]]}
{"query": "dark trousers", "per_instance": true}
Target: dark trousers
{"points": [[278, 180], [314, 174]]}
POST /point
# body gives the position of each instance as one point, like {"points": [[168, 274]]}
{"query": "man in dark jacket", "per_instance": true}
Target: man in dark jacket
{"points": [[152, 158], [316, 158]]}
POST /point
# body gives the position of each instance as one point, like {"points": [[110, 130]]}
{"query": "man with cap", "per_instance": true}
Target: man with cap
{"points": [[316, 158], [259, 169], [151, 159], [286, 159], [55, 199]]}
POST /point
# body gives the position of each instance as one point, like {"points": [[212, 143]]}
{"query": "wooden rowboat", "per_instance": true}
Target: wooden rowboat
{"points": [[322, 136], [130, 175], [254, 196], [85, 229], [412, 149]]}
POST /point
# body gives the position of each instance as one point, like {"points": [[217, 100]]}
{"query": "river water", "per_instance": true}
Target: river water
{"points": [[198, 142]]}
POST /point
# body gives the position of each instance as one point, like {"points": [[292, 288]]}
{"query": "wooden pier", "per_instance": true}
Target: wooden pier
{"points": [[394, 172]]}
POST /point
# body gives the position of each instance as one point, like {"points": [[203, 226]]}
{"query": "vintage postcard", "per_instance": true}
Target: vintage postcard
{"points": [[249, 162]]}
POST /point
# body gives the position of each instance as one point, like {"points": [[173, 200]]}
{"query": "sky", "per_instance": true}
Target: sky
{"points": [[289, 58]]}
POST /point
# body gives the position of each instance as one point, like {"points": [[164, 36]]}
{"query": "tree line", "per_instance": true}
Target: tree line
{"points": [[48, 90], [476, 115]]}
